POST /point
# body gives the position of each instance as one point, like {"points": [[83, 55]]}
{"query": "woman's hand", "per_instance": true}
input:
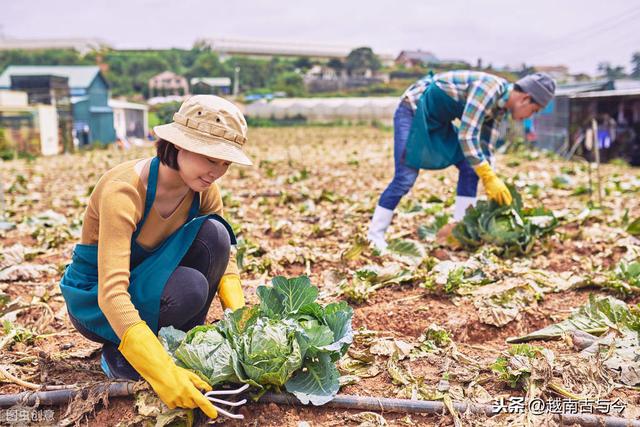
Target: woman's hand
{"points": [[176, 386], [230, 292]]}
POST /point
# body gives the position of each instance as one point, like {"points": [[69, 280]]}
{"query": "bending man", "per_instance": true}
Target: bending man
{"points": [[425, 137]]}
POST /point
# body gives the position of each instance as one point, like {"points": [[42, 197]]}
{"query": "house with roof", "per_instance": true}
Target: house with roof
{"points": [[89, 96], [415, 58], [210, 85], [168, 83]]}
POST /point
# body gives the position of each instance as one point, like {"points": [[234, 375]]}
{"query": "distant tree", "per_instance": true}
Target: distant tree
{"points": [[177, 60], [164, 112], [361, 59], [291, 83], [611, 72], [43, 57], [582, 77], [202, 45], [207, 64], [254, 73], [335, 64], [635, 62], [525, 69], [140, 68], [303, 63]]}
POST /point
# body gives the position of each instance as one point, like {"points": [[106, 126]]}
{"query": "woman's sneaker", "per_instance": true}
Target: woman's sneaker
{"points": [[115, 366]]}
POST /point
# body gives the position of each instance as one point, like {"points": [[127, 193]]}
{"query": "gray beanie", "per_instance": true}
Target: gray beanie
{"points": [[540, 86]]}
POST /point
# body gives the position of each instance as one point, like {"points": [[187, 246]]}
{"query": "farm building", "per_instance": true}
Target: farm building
{"points": [[27, 129], [615, 105], [89, 94], [210, 85], [130, 121], [414, 58], [54, 91], [168, 83]]}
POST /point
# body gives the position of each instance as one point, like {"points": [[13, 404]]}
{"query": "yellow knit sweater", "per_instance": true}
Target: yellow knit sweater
{"points": [[115, 207]]}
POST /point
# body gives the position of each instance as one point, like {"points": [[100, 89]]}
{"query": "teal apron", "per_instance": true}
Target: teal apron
{"points": [[150, 269], [433, 141]]}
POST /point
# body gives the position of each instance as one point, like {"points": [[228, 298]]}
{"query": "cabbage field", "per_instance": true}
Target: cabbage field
{"points": [[538, 302]]}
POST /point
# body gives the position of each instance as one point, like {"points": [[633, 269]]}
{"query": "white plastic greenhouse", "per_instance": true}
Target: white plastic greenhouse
{"points": [[326, 109]]}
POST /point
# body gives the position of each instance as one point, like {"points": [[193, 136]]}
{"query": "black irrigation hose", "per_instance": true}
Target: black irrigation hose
{"points": [[61, 397], [382, 404], [122, 389]]}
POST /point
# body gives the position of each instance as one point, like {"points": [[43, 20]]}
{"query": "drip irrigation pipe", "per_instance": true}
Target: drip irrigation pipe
{"points": [[342, 401], [62, 397], [436, 407]]}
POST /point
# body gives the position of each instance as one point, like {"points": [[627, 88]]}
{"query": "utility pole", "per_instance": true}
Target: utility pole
{"points": [[236, 81]]}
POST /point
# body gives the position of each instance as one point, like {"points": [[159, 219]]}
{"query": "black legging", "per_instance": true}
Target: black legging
{"points": [[188, 293]]}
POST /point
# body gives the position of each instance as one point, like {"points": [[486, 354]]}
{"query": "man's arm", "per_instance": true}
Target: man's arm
{"points": [[481, 98]]}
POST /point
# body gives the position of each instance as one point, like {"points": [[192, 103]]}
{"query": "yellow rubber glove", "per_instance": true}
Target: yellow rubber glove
{"points": [[176, 386], [495, 188], [230, 292]]}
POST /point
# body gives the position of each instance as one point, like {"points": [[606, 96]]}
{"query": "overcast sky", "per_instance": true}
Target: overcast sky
{"points": [[577, 33]]}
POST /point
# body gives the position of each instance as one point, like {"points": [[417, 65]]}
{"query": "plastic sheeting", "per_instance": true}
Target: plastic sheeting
{"points": [[325, 109]]}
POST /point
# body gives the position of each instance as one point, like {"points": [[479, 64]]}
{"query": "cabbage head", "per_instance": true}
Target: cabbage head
{"points": [[269, 351], [512, 229], [209, 354]]}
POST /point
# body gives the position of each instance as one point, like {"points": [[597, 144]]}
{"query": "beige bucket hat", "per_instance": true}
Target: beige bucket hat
{"points": [[208, 125]]}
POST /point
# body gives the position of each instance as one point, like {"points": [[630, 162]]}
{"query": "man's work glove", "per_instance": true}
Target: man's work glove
{"points": [[495, 188], [175, 386], [230, 292]]}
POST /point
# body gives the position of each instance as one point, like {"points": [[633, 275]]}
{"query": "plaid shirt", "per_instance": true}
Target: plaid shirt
{"points": [[485, 96]]}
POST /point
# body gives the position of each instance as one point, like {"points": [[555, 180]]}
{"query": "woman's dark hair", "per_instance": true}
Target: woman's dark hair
{"points": [[167, 153]]}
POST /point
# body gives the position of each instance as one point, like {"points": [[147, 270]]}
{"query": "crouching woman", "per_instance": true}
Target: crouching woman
{"points": [[155, 249]]}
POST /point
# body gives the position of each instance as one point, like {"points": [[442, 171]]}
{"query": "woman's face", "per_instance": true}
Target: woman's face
{"points": [[198, 171]]}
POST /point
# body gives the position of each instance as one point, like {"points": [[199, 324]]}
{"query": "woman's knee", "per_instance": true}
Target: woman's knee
{"points": [[185, 293], [186, 287], [210, 250], [215, 237], [86, 332]]}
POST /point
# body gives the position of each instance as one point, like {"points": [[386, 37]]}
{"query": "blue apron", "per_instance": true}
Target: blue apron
{"points": [[150, 269], [433, 140]]}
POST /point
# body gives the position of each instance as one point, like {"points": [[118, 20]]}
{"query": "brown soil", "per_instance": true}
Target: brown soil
{"points": [[402, 312]]}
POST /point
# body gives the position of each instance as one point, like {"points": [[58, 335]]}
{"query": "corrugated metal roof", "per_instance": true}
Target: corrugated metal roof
{"points": [[80, 76], [116, 103], [212, 81], [100, 109], [626, 84], [605, 93], [574, 88], [76, 99]]}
